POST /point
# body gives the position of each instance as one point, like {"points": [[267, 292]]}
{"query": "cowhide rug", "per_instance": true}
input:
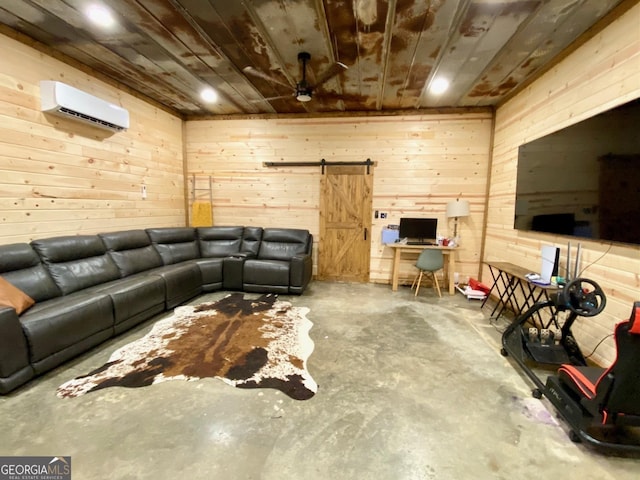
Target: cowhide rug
{"points": [[248, 343]]}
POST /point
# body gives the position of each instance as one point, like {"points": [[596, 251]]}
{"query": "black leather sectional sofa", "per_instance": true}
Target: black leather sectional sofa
{"points": [[88, 288]]}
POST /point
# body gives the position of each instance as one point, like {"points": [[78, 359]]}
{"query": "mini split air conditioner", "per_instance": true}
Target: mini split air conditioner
{"points": [[64, 100]]}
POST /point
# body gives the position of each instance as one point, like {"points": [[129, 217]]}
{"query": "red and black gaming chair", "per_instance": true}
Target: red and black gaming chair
{"points": [[612, 395]]}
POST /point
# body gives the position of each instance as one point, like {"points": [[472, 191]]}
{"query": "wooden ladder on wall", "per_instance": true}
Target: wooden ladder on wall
{"points": [[201, 211]]}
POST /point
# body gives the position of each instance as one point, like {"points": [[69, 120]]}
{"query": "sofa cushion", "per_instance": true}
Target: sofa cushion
{"points": [[251, 238], [11, 296], [131, 251], [68, 248], [211, 271], [53, 326], [266, 272], [76, 262], [125, 240], [133, 296], [175, 245], [182, 282], [219, 241], [283, 243], [20, 265]]}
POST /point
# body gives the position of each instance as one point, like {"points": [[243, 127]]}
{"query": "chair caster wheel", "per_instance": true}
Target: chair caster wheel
{"points": [[536, 393], [574, 437], [504, 353]]}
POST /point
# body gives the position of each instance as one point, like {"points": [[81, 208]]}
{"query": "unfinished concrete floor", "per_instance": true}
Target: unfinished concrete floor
{"points": [[408, 389]]}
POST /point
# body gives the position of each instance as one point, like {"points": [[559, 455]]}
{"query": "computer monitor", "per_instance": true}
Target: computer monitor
{"points": [[419, 230]]}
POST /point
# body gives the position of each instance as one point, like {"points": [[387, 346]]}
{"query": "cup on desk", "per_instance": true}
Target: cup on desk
{"points": [[445, 242]]}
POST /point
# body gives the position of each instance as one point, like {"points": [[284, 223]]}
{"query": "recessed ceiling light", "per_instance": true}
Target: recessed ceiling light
{"points": [[209, 95], [439, 86], [100, 15]]}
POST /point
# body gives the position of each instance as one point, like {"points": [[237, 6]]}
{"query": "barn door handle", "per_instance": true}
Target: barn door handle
{"points": [[365, 233]]}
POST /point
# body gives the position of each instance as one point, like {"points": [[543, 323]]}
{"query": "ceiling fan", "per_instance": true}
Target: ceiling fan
{"points": [[303, 91]]}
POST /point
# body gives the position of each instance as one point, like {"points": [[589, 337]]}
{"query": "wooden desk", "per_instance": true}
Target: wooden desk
{"points": [[399, 248], [515, 292]]}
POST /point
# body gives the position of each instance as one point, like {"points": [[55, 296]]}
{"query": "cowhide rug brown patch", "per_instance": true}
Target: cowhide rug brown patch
{"points": [[248, 343]]}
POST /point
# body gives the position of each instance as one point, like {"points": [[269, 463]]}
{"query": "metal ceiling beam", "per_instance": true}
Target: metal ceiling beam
{"points": [[206, 39], [454, 24], [386, 51]]}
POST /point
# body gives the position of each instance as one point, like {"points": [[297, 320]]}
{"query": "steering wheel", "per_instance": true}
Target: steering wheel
{"points": [[584, 297]]}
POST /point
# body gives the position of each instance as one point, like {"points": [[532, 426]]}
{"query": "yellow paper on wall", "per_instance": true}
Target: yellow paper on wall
{"points": [[201, 214]]}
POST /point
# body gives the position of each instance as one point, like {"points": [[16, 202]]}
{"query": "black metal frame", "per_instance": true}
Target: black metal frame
{"points": [[584, 426], [322, 163], [515, 291]]}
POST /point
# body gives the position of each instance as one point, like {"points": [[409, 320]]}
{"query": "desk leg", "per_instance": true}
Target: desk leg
{"points": [[491, 289], [452, 269], [502, 283], [395, 270]]}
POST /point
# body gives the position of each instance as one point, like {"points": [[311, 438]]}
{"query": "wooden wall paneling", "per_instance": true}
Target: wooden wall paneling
{"points": [[601, 74], [422, 162], [62, 177]]}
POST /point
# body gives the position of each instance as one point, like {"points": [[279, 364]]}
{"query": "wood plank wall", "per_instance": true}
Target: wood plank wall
{"points": [[59, 177], [601, 74], [62, 177], [421, 163]]}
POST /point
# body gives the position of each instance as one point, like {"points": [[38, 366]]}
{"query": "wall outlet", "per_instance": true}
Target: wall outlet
{"points": [[143, 191], [383, 215]]}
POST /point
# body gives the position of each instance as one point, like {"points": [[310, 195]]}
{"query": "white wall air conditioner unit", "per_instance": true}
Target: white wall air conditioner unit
{"points": [[62, 99]]}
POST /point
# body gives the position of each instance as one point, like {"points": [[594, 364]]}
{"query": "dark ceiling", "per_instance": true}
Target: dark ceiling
{"points": [[167, 50]]}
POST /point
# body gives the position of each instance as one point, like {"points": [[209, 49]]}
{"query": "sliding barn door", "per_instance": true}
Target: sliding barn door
{"points": [[344, 249]]}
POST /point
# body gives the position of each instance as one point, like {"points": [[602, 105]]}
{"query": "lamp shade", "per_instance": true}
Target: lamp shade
{"points": [[458, 208]]}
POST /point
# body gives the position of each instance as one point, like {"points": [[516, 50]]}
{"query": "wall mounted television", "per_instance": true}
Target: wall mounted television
{"points": [[584, 180]]}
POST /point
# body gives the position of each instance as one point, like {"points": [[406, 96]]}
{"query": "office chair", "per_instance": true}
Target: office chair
{"points": [[430, 260]]}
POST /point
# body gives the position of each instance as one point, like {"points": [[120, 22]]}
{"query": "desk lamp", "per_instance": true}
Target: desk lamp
{"points": [[457, 208]]}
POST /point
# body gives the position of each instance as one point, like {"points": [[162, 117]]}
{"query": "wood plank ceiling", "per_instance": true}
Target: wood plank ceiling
{"points": [[395, 50]]}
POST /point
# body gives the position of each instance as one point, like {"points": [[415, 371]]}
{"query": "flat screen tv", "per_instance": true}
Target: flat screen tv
{"points": [[584, 180], [419, 230]]}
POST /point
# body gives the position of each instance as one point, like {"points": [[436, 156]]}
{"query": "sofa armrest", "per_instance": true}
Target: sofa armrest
{"points": [[14, 352], [232, 271], [300, 272]]}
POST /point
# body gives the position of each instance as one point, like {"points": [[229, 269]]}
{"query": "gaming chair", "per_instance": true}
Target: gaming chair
{"points": [[611, 395]]}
